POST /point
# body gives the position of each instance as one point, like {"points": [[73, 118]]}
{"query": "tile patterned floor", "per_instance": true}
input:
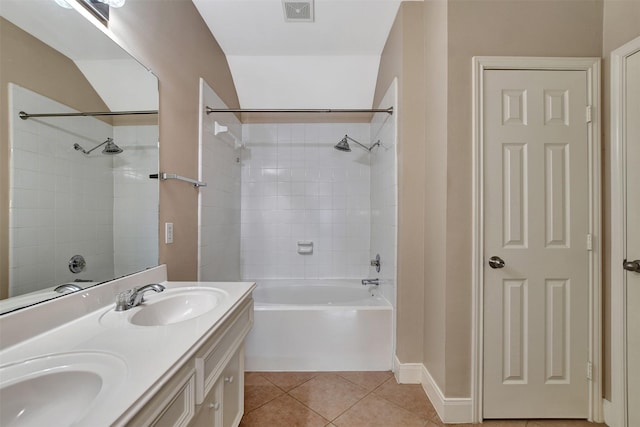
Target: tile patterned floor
{"points": [[349, 399]]}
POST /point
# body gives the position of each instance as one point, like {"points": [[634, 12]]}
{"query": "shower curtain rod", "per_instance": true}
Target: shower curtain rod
{"points": [[297, 110], [25, 116]]}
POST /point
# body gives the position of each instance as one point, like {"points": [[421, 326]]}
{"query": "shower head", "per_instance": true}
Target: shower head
{"points": [[343, 145], [110, 148]]}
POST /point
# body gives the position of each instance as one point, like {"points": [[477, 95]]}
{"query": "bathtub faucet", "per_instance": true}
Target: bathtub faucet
{"points": [[367, 282]]}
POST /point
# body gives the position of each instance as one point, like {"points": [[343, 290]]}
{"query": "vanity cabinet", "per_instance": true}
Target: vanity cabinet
{"points": [[223, 406], [173, 405], [208, 390]]}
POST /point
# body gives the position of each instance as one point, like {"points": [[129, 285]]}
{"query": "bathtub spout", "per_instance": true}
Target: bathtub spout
{"points": [[367, 282]]}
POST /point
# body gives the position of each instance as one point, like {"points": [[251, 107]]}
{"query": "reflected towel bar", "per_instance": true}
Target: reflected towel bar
{"points": [[164, 176]]}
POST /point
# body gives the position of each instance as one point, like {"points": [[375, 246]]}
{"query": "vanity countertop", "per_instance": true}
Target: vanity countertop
{"points": [[149, 355]]}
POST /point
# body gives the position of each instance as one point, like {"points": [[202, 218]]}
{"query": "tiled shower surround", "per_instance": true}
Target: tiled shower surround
{"points": [[135, 199], [295, 188], [61, 201], [219, 201], [65, 203]]}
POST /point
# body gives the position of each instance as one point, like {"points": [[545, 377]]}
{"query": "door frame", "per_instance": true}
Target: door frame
{"points": [[616, 411], [592, 68]]}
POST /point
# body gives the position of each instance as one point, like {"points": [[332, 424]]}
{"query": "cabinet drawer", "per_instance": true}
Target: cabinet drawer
{"points": [[174, 405], [219, 349]]}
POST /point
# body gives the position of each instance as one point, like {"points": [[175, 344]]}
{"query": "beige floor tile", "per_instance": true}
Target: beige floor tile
{"points": [[408, 396], [288, 380], [367, 380], [374, 411], [257, 395], [255, 378], [328, 394], [284, 411]]}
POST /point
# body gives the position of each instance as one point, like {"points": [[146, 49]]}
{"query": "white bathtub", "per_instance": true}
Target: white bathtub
{"points": [[317, 325]]}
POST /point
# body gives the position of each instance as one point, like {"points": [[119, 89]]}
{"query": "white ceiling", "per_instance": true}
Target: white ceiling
{"points": [[330, 63]]}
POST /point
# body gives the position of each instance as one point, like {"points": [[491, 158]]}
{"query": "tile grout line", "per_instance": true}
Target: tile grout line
{"points": [[270, 400], [372, 391]]}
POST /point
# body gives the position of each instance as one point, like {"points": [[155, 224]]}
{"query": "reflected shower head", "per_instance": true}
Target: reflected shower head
{"points": [[110, 148], [343, 145]]}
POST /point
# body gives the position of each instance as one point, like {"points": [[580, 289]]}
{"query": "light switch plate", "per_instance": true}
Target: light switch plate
{"points": [[168, 232]]}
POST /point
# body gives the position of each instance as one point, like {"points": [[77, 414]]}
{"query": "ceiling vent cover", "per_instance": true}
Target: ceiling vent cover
{"points": [[298, 11]]}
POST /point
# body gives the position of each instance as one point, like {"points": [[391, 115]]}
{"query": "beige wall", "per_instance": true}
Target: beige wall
{"points": [[435, 164], [621, 24], [28, 62], [434, 323], [170, 38], [501, 28], [402, 57]]}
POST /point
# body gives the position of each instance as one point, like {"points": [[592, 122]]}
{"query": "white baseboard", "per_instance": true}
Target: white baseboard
{"points": [[451, 410], [611, 417], [407, 373]]}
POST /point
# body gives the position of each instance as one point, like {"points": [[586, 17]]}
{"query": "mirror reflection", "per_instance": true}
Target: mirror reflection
{"points": [[82, 209]]}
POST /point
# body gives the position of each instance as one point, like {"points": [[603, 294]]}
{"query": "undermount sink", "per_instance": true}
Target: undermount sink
{"points": [[58, 389], [168, 307], [176, 307]]}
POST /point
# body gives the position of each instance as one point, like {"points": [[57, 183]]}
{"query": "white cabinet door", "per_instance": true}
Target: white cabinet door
{"points": [[536, 199], [233, 390]]}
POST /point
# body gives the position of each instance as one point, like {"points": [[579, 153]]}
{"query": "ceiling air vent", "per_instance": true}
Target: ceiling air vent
{"points": [[298, 11]]}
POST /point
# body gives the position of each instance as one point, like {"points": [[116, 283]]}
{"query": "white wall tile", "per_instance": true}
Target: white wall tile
{"points": [[59, 197], [384, 198], [312, 196], [135, 236], [220, 216]]}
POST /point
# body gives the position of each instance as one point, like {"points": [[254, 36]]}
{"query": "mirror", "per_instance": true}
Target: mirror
{"points": [[81, 211]]}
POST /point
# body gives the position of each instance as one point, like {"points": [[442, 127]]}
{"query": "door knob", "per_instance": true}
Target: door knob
{"points": [[632, 265], [496, 262]]}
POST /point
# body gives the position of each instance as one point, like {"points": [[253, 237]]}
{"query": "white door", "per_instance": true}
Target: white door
{"points": [[632, 278], [536, 198]]}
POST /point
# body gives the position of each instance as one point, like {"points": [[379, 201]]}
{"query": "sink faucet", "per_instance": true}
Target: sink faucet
{"points": [[134, 297], [375, 281]]}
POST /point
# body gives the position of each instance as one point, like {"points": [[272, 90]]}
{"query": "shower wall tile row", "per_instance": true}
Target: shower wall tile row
{"points": [[219, 201], [384, 199], [135, 237], [61, 201], [295, 187]]}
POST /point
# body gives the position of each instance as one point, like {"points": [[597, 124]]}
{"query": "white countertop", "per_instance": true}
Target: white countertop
{"points": [[151, 354]]}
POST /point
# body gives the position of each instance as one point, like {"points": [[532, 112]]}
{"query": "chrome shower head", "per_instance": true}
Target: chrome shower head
{"points": [[343, 145], [110, 148]]}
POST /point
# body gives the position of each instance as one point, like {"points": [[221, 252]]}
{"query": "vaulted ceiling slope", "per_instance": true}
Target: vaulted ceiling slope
{"points": [[329, 63], [97, 56]]}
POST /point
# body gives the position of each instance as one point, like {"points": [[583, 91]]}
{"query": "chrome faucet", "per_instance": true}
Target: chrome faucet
{"points": [[134, 297], [375, 281]]}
